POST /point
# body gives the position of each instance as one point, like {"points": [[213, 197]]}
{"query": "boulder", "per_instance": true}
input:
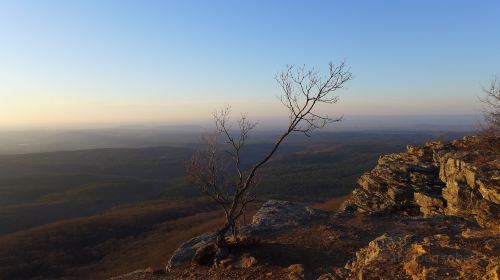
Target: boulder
{"points": [[272, 217], [276, 215], [205, 254], [185, 253]]}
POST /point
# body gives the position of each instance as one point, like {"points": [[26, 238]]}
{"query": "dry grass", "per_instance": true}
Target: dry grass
{"points": [[154, 249], [70, 249], [150, 234]]}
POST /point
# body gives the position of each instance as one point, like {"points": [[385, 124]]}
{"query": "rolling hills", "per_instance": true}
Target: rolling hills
{"points": [[75, 214]]}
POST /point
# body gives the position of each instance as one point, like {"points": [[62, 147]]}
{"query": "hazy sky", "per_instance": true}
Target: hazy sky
{"points": [[167, 61]]}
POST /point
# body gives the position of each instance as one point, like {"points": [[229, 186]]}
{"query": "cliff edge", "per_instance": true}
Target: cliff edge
{"points": [[453, 179], [431, 212]]}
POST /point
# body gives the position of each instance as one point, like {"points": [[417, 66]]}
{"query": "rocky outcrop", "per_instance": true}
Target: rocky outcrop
{"points": [[275, 215], [472, 180], [434, 257], [272, 217], [438, 181], [435, 210], [457, 178], [391, 186]]}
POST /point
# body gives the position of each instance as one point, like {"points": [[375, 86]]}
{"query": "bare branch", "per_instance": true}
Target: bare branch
{"points": [[491, 110], [302, 90]]}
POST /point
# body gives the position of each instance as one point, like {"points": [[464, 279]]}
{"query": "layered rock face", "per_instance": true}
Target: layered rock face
{"points": [[457, 179]]}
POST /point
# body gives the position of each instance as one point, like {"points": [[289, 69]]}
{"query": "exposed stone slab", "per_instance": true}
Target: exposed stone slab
{"points": [[273, 216]]}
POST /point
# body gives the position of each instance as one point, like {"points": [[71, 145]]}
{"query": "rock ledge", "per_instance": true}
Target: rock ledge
{"points": [[272, 217]]}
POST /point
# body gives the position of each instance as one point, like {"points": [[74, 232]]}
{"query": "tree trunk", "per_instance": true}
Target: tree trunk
{"points": [[221, 236], [220, 242]]}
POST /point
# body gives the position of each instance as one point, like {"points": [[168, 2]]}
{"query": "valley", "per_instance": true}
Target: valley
{"points": [[93, 212]]}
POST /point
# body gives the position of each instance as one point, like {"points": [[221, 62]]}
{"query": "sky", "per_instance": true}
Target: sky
{"points": [[99, 62]]}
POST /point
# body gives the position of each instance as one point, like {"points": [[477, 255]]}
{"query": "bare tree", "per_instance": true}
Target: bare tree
{"points": [[492, 104], [491, 131], [230, 186]]}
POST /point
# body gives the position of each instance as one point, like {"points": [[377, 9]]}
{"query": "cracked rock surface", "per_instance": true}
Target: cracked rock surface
{"points": [[455, 179]]}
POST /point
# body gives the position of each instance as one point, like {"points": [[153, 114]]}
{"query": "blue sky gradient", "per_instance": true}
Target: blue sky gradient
{"points": [[175, 61]]}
